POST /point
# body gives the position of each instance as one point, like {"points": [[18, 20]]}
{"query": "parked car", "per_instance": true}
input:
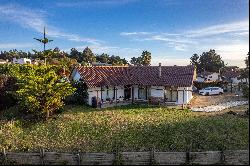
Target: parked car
{"points": [[211, 91]]}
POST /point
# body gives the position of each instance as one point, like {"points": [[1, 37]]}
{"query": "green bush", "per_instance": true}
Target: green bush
{"points": [[7, 85], [245, 91], [80, 96]]}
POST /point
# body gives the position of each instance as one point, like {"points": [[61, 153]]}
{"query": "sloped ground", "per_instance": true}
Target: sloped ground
{"points": [[130, 128]]}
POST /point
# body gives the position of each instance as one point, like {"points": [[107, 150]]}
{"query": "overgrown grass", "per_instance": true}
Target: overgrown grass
{"points": [[130, 128]]}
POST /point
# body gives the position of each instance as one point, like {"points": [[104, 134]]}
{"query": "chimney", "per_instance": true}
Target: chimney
{"points": [[159, 70]]}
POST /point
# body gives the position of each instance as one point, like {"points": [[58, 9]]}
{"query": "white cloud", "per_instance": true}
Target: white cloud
{"points": [[170, 61], [95, 3], [36, 20], [15, 45], [233, 51], [234, 27], [135, 33], [230, 40]]}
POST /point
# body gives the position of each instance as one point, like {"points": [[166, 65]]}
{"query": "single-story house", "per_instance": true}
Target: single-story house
{"points": [[170, 83], [208, 77], [2, 61], [21, 61], [233, 77]]}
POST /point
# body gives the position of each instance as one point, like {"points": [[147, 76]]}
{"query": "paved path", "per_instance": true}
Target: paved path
{"points": [[219, 107]]}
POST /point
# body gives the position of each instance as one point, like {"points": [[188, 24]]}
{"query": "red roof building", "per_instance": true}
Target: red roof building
{"points": [[138, 82]]}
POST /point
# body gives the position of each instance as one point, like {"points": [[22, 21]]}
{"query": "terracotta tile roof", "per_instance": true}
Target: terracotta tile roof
{"points": [[205, 73], [141, 75], [230, 74]]}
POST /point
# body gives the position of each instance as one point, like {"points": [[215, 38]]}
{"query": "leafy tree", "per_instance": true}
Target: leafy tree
{"points": [[245, 71], [146, 58], [88, 56], [194, 60], [40, 89], [117, 61], [103, 58], [136, 61], [143, 60], [76, 55], [208, 61]]}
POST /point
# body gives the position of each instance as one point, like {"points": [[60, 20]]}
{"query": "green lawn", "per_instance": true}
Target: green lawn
{"points": [[130, 128]]}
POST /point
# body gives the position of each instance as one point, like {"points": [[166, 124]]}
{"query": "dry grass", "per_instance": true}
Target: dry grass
{"points": [[131, 128]]}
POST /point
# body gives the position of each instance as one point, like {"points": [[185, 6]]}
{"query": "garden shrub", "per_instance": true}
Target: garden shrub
{"points": [[7, 85], [245, 91], [80, 96]]}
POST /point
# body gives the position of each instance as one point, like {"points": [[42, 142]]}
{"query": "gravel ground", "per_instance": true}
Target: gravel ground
{"points": [[203, 101], [219, 107]]}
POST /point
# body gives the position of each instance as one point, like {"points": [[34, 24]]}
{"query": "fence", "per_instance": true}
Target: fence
{"points": [[238, 157]]}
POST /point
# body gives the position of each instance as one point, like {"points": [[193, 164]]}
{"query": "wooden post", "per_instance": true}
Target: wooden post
{"points": [[97, 98], [101, 93], [116, 96], [152, 156], [42, 156], [222, 157], [4, 157], [187, 157], [117, 156], [78, 157], [133, 95], [183, 97]]}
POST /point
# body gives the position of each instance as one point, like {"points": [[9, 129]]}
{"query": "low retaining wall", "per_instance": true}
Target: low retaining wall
{"points": [[238, 157]]}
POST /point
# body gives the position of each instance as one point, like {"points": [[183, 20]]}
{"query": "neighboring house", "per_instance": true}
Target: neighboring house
{"points": [[208, 77], [21, 61], [2, 61], [233, 77], [171, 83]]}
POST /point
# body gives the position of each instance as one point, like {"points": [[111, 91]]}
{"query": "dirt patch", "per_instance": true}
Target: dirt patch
{"points": [[202, 101]]}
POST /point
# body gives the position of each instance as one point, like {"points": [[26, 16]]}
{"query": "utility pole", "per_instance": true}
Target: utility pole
{"points": [[44, 41]]}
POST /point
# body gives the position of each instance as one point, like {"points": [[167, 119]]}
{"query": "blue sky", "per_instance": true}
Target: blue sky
{"points": [[172, 30]]}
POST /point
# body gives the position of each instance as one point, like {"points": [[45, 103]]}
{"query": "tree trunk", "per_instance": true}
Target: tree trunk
{"points": [[47, 114]]}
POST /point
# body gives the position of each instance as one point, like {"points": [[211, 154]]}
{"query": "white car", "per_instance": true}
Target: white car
{"points": [[211, 91]]}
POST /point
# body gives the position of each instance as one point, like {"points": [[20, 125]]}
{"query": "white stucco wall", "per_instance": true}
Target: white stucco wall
{"points": [[93, 92], [200, 79], [213, 77], [235, 80], [76, 76], [157, 91], [187, 95], [21, 61], [120, 91], [135, 91]]}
